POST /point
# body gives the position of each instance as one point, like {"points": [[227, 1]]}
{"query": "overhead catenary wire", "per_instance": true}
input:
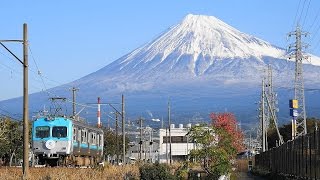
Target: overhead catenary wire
{"points": [[38, 72]]}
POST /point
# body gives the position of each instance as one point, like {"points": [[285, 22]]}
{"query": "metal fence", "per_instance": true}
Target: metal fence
{"points": [[298, 158]]}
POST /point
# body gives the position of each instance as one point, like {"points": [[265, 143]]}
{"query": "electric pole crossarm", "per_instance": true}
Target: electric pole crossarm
{"points": [[11, 40], [12, 53]]}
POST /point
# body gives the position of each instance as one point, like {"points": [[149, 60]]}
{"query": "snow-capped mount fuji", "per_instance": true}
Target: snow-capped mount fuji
{"points": [[200, 48], [190, 49], [202, 64]]}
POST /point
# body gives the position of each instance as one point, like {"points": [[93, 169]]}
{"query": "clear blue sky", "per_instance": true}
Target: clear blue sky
{"points": [[70, 39]]}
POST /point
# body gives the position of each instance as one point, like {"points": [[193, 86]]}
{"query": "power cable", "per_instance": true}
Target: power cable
{"points": [[315, 19], [306, 14], [295, 18], [304, 2], [39, 72]]}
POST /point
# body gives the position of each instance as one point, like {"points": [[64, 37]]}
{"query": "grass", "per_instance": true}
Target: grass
{"points": [[107, 172]]}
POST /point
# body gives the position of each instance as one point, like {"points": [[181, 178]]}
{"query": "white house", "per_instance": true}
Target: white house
{"points": [[181, 144]]}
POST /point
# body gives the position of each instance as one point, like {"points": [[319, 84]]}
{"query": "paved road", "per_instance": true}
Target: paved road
{"points": [[243, 176]]}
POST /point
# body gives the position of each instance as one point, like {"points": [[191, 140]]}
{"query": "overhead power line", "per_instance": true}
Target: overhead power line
{"points": [[305, 17]]}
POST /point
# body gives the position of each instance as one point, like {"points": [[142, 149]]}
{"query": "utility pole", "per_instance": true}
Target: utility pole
{"points": [[169, 120], [268, 110], [271, 105], [145, 145], [273, 116], [270, 95], [263, 120], [123, 132], [25, 166], [25, 104], [140, 142], [117, 137], [301, 123], [74, 101], [167, 158]]}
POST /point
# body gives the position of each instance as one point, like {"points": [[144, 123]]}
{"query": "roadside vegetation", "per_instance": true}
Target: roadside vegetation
{"points": [[286, 131]]}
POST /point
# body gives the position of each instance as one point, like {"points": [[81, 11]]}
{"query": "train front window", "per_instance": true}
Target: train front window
{"points": [[42, 131], [59, 131]]}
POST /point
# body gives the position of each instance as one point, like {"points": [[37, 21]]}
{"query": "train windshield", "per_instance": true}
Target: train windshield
{"points": [[59, 131], [42, 131]]}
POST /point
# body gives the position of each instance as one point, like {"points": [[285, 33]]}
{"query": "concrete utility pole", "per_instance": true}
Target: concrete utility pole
{"points": [[167, 158], [140, 142], [25, 166], [123, 132], [25, 104], [301, 123], [74, 101], [268, 110], [169, 120], [263, 119], [271, 105], [117, 139]]}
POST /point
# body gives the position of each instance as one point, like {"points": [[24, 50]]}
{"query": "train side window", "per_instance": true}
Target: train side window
{"points": [[89, 137], [101, 139], [79, 135], [74, 134], [84, 136], [98, 139], [93, 138]]}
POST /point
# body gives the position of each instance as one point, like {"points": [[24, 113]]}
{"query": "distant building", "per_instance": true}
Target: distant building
{"points": [[181, 144]]}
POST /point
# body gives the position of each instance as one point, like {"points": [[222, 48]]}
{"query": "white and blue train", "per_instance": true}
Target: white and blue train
{"points": [[60, 141]]}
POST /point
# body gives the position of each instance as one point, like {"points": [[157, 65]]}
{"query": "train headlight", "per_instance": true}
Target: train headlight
{"points": [[50, 144]]}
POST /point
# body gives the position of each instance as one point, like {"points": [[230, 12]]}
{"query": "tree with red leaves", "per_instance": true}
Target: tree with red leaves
{"points": [[228, 122]]}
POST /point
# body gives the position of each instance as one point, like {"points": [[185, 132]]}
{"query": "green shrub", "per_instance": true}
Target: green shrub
{"points": [[155, 172]]}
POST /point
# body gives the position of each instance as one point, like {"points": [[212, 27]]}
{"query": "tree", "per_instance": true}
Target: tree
{"points": [[228, 122], [215, 150], [286, 129], [11, 140], [110, 145]]}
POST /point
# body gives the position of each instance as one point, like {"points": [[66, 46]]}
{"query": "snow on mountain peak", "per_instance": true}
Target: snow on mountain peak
{"points": [[206, 36], [210, 36], [197, 46]]}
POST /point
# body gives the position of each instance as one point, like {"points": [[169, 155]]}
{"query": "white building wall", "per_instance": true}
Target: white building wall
{"points": [[178, 149]]}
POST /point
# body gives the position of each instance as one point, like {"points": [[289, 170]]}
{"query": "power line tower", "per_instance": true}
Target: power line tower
{"points": [[301, 123]]}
